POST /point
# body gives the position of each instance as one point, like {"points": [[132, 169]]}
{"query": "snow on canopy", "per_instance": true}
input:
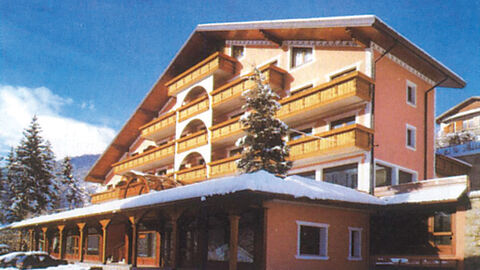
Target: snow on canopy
{"points": [[260, 181]]}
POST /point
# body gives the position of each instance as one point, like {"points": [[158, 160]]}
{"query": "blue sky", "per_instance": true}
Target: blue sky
{"points": [[88, 64]]}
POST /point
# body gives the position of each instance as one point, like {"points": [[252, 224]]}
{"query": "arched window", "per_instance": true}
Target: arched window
{"points": [[196, 93], [193, 127], [192, 160]]}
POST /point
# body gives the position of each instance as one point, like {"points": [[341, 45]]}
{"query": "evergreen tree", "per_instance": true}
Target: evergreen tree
{"points": [[73, 194], [35, 189], [263, 147], [15, 198]]}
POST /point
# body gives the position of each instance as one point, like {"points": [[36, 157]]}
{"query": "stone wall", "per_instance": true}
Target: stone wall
{"points": [[472, 233]]}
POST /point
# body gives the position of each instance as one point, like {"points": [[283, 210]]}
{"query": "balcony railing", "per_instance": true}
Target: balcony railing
{"points": [[415, 261], [338, 93], [146, 160], [342, 140], [223, 167], [192, 141], [108, 195], [191, 175], [216, 63], [273, 76], [193, 108], [159, 127], [226, 129]]}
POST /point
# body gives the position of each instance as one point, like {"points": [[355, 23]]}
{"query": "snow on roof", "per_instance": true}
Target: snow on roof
{"points": [[261, 181], [430, 194]]}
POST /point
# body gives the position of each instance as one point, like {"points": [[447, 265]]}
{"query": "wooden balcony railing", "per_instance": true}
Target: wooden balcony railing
{"points": [[108, 195], [223, 167], [146, 159], [341, 140], [193, 108], [192, 141], [225, 129], [215, 63], [340, 92], [273, 75], [152, 128], [191, 175]]}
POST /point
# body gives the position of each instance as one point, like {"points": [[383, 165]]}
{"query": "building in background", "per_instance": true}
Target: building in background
{"points": [[359, 98]]}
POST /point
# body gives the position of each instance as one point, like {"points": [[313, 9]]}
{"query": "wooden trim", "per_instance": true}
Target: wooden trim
{"points": [[220, 161], [233, 250], [193, 102], [190, 169], [186, 138], [81, 240], [331, 133], [144, 153], [157, 120], [61, 248], [105, 223], [225, 123]]}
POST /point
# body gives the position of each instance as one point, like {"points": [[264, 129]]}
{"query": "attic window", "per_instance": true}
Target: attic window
{"points": [[238, 51], [301, 55]]}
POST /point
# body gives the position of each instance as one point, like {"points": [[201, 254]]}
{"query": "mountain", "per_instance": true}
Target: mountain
{"points": [[82, 165]]}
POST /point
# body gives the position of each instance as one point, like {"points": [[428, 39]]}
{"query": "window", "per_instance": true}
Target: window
{"points": [[309, 174], [343, 122], [297, 135], [440, 228], [93, 244], [346, 175], [404, 177], [383, 175], [234, 152], [147, 244], [300, 56], [411, 94], [238, 51], [72, 244], [355, 247], [411, 137], [162, 172], [312, 240]]}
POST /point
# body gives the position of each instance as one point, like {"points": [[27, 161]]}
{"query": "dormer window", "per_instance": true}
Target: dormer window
{"points": [[301, 55], [238, 51]]}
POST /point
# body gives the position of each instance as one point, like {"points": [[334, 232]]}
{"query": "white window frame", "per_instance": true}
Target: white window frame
{"points": [[414, 129], [325, 241], [244, 51], [290, 57], [396, 170], [413, 86], [359, 230]]}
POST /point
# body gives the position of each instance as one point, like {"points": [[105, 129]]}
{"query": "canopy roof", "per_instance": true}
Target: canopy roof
{"points": [[209, 38], [295, 187]]}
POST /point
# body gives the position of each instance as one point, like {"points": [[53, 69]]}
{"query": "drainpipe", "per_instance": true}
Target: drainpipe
{"points": [[425, 125], [372, 119]]}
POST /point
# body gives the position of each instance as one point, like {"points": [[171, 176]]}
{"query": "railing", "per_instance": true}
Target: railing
{"points": [[191, 175], [353, 137], [222, 167], [468, 148], [412, 261], [145, 158], [226, 129], [192, 141], [213, 63], [273, 75], [355, 84], [193, 108], [158, 124], [108, 195]]}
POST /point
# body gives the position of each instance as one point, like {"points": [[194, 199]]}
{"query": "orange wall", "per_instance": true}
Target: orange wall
{"points": [[392, 113], [281, 236]]}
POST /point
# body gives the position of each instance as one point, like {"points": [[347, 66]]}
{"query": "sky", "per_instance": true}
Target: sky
{"points": [[84, 66]]}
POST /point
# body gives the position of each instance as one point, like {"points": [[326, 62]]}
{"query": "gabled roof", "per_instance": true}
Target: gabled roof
{"points": [[208, 38], [455, 109]]}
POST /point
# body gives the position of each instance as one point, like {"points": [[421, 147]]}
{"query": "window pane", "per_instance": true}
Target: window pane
{"points": [[146, 246], [355, 244], [442, 222], [346, 175], [71, 244], [309, 240], [404, 177], [93, 243], [342, 122], [309, 174], [442, 240], [383, 176]]}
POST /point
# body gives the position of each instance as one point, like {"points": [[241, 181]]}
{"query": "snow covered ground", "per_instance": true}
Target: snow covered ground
{"points": [[61, 267]]}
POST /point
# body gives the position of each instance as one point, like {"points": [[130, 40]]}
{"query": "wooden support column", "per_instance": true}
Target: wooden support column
{"points": [[20, 240], [45, 243], [30, 239], [81, 241], [128, 243], [174, 241], [61, 247], [233, 249], [134, 222], [104, 223]]}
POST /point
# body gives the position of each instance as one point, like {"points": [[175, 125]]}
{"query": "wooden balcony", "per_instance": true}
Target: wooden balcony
{"points": [[159, 128], [191, 175], [228, 96], [105, 196], [227, 132], [192, 141], [151, 159], [195, 107], [326, 98], [218, 63], [343, 140], [223, 167]]}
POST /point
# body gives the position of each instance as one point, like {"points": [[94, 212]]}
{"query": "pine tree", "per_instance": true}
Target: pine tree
{"points": [[16, 190], [35, 188], [73, 194], [263, 147]]}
